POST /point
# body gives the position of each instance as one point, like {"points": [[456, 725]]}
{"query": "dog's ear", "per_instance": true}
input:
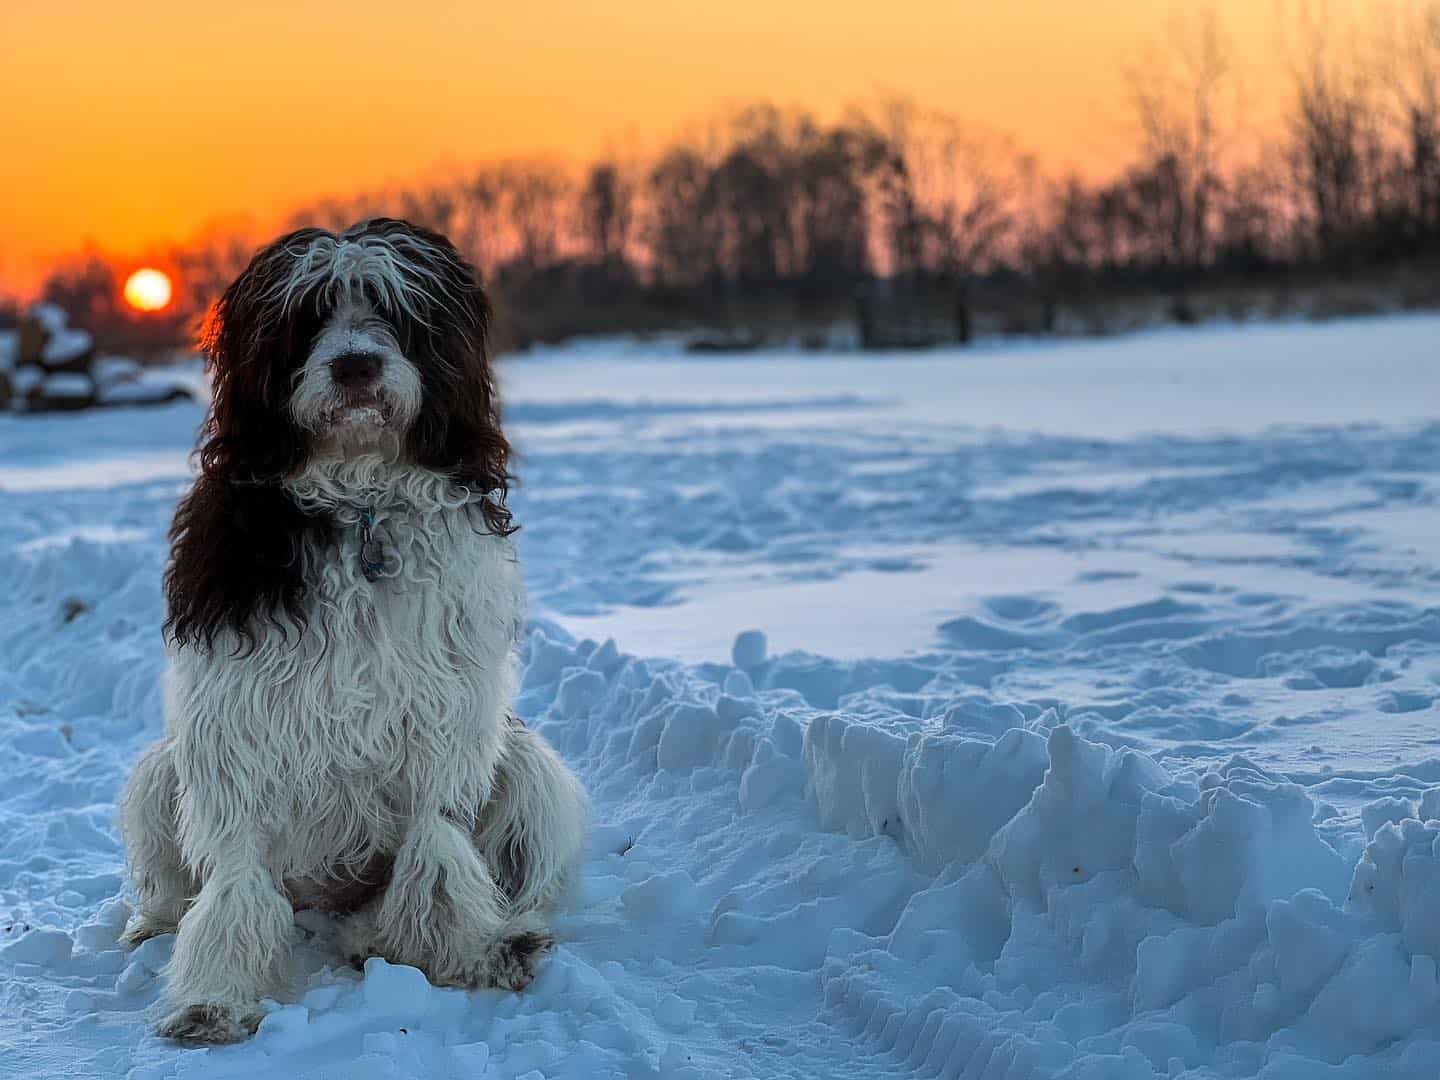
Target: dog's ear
{"points": [[458, 431], [255, 338], [236, 538], [236, 554]]}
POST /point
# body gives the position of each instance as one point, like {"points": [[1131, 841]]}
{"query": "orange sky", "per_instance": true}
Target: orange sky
{"points": [[127, 125]]}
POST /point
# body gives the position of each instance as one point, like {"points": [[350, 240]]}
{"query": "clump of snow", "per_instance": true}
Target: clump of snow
{"points": [[113, 369], [67, 385], [66, 345], [51, 317], [24, 379]]}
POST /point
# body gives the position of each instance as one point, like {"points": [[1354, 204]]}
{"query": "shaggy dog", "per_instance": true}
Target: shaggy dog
{"points": [[343, 603]]}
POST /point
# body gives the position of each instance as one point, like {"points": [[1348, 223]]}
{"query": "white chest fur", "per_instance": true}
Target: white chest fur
{"points": [[387, 700]]}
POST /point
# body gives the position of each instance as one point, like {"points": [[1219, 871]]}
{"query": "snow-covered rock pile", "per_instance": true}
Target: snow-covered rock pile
{"points": [[49, 366], [52, 365]]}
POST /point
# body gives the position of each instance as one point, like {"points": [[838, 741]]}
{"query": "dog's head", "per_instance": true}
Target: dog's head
{"points": [[347, 344], [370, 341]]}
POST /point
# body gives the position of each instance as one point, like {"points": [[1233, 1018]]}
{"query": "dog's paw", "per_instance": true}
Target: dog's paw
{"points": [[509, 962], [142, 928], [359, 939], [513, 960], [208, 1025]]}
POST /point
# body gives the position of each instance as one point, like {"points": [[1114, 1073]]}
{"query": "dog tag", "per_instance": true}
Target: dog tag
{"points": [[372, 559], [372, 551]]}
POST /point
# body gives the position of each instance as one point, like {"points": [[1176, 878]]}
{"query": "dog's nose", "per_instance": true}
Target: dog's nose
{"points": [[353, 370]]}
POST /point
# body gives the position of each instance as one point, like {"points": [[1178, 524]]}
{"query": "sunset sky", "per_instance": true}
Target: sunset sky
{"points": [[127, 126]]}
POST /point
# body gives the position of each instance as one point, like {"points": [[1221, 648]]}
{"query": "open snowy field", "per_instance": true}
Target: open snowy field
{"points": [[1096, 734]]}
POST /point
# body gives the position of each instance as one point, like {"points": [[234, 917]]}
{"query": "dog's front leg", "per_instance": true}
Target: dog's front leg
{"points": [[444, 913], [231, 951], [163, 884]]}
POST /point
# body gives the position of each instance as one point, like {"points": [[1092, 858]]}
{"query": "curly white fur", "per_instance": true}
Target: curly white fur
{"points": [[393, 268], [378, 733]]}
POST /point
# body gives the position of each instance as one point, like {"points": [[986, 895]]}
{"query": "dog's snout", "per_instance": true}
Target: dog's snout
{"points": [[356, 369]]}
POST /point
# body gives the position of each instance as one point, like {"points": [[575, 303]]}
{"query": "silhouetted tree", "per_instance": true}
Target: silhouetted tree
{"points": [[607, 212], [683, 235], [1414, 78], [536, 200], [1336, 153], [1179, 94]]}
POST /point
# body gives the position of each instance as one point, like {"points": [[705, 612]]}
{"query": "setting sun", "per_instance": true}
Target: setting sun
{"points": [[147, 290]]}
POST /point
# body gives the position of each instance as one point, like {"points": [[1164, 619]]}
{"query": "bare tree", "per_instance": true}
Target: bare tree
{"points": [[1181, 94], [682, 234], [607, 212], [433, 207], [1412, 52], [829, 205], [945, 200], [477, 218], [946, 192], [1336, 146], [536, 197]]}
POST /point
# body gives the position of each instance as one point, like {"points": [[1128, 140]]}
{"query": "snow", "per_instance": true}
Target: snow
{"points": [[50, 316], [25, 378], [68, 385], [1237, 379], [107, 369], [125, 383], [63, 342], [1040, 711], [66, 345]]}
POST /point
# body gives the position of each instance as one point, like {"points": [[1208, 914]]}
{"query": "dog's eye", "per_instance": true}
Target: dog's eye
{"points": [[378, 328]]}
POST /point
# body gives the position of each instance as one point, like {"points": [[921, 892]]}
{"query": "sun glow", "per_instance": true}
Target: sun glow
{"points": [[147, 290]]}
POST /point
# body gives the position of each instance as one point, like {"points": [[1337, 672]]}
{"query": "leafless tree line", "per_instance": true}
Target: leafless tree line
{"points": [[776, 203]]}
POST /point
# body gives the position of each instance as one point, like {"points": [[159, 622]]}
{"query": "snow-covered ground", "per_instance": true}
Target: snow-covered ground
{"points": [[1096, 736]]}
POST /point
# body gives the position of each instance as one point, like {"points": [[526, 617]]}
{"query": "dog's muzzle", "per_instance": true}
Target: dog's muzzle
{"points": [[356, 379], [356, 372]]}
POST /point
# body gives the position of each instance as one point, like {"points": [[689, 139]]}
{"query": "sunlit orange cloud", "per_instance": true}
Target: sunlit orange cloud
{"points": [[131, 125]]}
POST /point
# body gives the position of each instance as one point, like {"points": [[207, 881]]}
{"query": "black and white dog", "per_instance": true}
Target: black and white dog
{"points": [[344, 600]]}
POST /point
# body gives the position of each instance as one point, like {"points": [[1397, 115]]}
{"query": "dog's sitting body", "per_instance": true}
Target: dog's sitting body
{"points": [[343, 616]]}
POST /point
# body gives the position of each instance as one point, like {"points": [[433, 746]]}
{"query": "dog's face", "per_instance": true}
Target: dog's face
{"points": [[356, 383], [378, 306], [341, 344]]}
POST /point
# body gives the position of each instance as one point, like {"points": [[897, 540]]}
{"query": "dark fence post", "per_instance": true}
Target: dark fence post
{"points": [[964, 330], [865, 317]]}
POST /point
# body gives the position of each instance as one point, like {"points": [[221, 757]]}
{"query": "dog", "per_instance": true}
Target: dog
{"points": [[343, 604]]}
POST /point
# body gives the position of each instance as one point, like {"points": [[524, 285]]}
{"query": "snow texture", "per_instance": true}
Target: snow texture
{"points": [[1062, 712]]}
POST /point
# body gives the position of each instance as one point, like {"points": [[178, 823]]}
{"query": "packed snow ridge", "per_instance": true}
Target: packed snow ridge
{"points": [[1062, 753]]}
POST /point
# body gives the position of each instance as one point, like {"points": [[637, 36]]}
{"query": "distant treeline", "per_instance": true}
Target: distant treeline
{"points": [[773, 221]]}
